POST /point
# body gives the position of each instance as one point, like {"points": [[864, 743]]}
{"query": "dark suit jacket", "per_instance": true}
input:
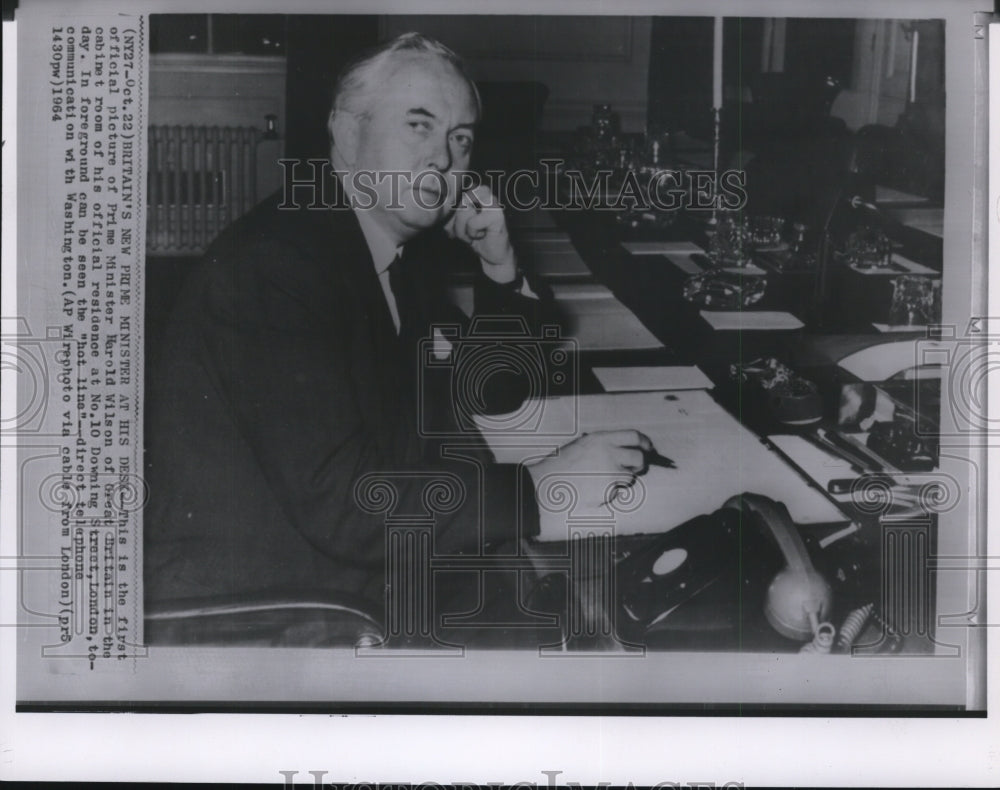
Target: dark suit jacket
{"points": [[282, 384]]}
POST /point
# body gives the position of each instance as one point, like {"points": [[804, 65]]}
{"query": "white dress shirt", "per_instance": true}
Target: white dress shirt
{"points": [[384, 251]]}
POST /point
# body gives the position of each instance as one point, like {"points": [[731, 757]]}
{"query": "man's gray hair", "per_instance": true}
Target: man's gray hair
{"points": [[362, 78]]}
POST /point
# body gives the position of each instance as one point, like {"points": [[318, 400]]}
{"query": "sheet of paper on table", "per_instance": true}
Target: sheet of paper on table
{"points": [[900, 328], [691, 259], [677, 252], [544, 238], [684, 262], [661, 247], [593, 317], [716, 458], [884, 360], [928, 220], [820, 465], [564, 292], [888, 195], [553, 255], [910, 267], [597, 321], [649, 379], [750, 320]]}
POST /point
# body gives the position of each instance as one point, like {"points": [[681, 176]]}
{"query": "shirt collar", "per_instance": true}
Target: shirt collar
{"points": [[382, 248]]}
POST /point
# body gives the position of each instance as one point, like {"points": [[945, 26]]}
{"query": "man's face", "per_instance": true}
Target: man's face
{"points": [[422, 120]]}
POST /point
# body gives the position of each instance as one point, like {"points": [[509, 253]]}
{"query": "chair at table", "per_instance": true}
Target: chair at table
{"points": [[265, 620]]}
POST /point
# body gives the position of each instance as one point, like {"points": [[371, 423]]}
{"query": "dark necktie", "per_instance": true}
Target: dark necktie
{"points": [[408, 309], [403, 292]]}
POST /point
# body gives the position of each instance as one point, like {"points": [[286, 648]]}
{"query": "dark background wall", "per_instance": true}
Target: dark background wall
{"points": [[318, 48]]}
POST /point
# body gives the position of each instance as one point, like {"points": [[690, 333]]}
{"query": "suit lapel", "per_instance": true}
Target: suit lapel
{"points": [[373, 341], [387, 401]]}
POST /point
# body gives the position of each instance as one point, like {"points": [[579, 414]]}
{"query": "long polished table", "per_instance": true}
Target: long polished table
{"points": [[650, 286]]}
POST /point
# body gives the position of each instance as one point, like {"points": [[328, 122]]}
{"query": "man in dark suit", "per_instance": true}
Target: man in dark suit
{"points": [[292, 373]]}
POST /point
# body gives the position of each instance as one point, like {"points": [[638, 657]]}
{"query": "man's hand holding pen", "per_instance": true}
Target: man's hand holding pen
{"points": [[654, 458], [598, 464]]}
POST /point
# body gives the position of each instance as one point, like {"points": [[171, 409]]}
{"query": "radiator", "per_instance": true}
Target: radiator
{"points": [[200, 179]]}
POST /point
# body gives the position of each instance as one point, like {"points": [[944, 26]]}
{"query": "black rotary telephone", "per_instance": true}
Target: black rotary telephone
{"points": [[735, 574]]}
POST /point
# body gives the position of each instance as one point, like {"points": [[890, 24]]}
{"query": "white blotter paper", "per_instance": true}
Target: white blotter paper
{"points": [[554, 256], [821, 466], [684, 260], [911, 267], [899, 328], [716, 458], [594, 318], [884, 360], [551, 239], [751, 320], [605, 324], [661, 247]]}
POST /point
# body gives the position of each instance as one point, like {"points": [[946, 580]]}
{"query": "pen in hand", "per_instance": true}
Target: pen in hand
{"points": [[654, 458], [650, 457]]}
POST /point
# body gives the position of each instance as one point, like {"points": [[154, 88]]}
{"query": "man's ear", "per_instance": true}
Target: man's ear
{"points": [[344, 128]]}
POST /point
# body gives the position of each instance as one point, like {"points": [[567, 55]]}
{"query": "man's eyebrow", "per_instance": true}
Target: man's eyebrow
{"points": [[423, 112]]}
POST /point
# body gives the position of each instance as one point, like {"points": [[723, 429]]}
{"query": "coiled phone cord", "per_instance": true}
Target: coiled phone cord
{"points": [[823, 634], [854, 624]]}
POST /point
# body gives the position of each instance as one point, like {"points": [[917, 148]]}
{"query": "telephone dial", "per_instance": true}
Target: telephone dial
{"points": [[729, 579]]}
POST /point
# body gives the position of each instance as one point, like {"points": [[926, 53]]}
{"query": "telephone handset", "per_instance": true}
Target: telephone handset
{"points": [[798, 598], [704, 574]]}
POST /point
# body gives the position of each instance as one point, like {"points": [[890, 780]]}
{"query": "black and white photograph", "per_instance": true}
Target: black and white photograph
{"points": [[509, 370], [428, 391]]}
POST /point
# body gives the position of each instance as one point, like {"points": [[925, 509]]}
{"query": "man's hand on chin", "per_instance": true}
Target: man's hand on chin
{"points": [[480, 223]]}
